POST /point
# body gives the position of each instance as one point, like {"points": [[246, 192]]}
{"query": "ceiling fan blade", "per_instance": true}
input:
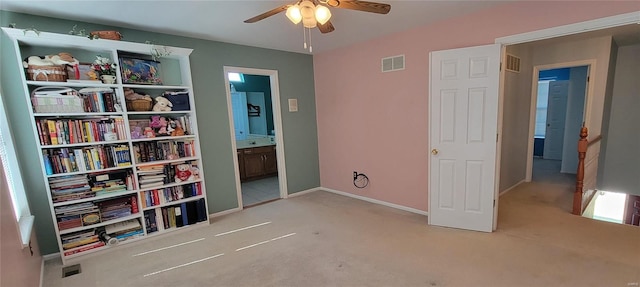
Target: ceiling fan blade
{"points": [[365, 6], [267, 14], [326, 28]]}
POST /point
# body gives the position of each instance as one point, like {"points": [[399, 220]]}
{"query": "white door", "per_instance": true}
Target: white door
{"points": [[240, 115], [556, 114], [463, 132]]}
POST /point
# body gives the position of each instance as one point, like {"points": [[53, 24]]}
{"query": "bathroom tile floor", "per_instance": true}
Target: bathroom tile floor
{"points": [[261, 190]]}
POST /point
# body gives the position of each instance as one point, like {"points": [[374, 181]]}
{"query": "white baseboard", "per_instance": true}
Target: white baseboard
{"points": [[299, 193], [380, 202], [41, 271], [51, 256], [512, 187]]}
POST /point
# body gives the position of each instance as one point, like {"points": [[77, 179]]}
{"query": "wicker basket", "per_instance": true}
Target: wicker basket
{"points": [[139, 105], [109, 35], [56, 100], [47, 73]]}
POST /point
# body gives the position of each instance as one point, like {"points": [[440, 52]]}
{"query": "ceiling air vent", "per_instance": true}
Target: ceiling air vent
{"points": [[394, 63], [513, 63]]}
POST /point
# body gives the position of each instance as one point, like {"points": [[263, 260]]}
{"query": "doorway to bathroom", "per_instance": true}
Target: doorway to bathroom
{"points": [[254, 114]]}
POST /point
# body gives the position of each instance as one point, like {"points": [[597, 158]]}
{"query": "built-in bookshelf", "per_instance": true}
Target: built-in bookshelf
{"points": [[113, 172]]}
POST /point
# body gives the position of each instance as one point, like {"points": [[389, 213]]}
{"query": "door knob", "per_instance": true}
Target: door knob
{"points": [[434, 151]]}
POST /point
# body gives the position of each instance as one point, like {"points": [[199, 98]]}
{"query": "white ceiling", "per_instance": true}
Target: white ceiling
{"points": [[223, 20]]}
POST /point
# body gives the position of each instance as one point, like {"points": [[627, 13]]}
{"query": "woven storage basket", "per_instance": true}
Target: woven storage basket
{"points": [[47, 73], [56, 100], [139, 105], [109, 35]]}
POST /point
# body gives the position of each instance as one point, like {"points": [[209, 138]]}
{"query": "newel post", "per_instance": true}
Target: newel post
{"points": [[582, 151]]}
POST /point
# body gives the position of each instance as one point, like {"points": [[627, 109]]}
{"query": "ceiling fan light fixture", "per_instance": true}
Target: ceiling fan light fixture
{"points": [[322, 14], [294, 14]]}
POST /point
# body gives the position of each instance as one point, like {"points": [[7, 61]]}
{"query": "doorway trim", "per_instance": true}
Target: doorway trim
{"points": [[570, 29], [586, 114], [277, 122]]}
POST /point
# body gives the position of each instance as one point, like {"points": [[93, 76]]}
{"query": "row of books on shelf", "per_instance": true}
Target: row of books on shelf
{"points": [[73, 131], [99, 100], [74, 187], [85, 240], [152, 176], [178, 215], [66, 160], [88, 213], [163, 196], [163, 150]]}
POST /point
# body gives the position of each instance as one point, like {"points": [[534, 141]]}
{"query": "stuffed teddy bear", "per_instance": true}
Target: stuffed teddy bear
{"points": [[162, 104], [183, 172], [148, 132], [161, 126], [195, 172], [176, 128], [155, 122]]}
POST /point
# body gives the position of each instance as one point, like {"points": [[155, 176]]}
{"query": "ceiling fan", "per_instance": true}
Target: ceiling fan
{"points": [[313, 14]]}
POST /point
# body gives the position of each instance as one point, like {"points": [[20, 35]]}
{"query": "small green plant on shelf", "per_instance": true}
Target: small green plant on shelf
{"points": [[34, 30]]}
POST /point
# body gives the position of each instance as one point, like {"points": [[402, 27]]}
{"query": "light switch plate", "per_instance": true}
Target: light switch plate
{"points": [[293, 105]]}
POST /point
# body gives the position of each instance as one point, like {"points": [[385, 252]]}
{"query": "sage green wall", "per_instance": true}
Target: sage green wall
{"points": [[295, 73]]}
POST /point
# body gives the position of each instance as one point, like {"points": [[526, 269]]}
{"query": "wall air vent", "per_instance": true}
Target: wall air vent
{"points": [[394, 63], [512, 63]]}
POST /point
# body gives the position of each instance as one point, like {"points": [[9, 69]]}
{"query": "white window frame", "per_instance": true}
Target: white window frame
{"points": [[13, 177]]}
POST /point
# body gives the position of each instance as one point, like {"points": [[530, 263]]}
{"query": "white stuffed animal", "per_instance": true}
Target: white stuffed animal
{"points": [[162, 105]]}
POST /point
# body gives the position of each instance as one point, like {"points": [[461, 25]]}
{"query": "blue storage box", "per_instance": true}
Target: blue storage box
{"points": [[179, 100]]}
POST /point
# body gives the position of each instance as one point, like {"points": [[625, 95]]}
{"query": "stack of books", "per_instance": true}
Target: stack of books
{"points": [[80, 241], [109, 182], [151, 176], [73, 187], [125, 230], [117, 207], [76, 215]]}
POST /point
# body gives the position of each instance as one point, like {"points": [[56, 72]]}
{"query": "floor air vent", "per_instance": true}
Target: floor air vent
{"points": [[513, 63], [394, 63], [71, 270]]}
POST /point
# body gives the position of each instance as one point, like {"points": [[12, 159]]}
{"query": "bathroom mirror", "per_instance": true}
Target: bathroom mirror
{"points": [[252, 106]]}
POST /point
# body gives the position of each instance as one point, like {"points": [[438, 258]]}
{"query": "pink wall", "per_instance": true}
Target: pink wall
{"points": [[377, 123], [17, 266]]}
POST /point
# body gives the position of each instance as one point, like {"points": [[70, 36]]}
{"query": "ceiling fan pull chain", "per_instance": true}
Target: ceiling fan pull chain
{"points": [[304, 36], [310, 47]]}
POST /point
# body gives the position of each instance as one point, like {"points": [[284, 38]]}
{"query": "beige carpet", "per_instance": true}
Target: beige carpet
{"points": [[323, 239]]}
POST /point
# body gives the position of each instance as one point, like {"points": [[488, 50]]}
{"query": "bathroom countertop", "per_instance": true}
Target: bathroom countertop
{"points": [[241, 146]]}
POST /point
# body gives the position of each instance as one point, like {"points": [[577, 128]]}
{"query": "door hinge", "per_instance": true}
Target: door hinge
{"points": [[497, 136], [588, 78], [500, 69], [494, 203]]}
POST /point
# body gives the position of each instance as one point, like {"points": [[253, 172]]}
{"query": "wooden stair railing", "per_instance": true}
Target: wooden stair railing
{"points": [[582, 152], [583, 145]]}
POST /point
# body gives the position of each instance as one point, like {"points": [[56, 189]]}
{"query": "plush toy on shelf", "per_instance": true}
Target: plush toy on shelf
{"points": [[162, 105], [149, 133], [183, 173], [175, 128]]}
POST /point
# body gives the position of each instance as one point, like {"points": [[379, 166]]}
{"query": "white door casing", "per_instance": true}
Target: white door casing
{"points": [[464, 89], [556, 115]]}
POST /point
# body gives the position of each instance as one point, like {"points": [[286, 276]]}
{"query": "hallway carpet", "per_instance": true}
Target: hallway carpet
{"points": [[323, 239]]}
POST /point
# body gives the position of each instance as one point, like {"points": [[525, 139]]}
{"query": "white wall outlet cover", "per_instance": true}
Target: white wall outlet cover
{"points": [[293, 105]]}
